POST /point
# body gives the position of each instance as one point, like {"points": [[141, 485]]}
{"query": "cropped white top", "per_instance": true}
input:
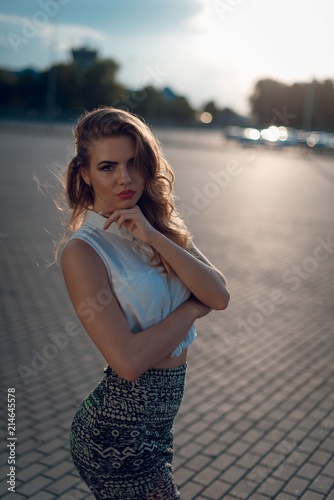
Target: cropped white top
{"points": [[145, 294]]}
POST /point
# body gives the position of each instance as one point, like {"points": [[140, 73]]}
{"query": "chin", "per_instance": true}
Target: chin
{"points": [[131, 202]]}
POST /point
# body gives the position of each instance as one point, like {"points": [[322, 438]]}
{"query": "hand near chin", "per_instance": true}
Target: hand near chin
{"points": [[133, 220]]}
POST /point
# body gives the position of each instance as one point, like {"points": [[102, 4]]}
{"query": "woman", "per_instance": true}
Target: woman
{"points": [[137, 284]]}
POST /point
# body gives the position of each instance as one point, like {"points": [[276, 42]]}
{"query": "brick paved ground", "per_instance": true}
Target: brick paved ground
{"points": [[257, 417]]}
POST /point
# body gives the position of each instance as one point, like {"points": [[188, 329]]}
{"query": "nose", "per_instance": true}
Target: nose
{"points": [[124, 177]]}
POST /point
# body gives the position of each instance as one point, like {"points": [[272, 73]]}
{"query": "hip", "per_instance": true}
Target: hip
{"points": [[156, 394], [121, 437]]}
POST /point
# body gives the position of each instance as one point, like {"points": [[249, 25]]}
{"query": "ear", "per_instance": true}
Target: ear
{"points": [[84, 175]]}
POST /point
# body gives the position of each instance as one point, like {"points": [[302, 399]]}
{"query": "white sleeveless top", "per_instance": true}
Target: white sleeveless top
{"points": [[145, 294]]}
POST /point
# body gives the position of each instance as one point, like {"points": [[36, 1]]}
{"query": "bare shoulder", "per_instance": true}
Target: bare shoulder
{"points": [[78, 255], [77, 250]]}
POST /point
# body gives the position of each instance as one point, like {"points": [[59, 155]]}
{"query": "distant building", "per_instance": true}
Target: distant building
{"points": [[84, 57], [168, 94]]}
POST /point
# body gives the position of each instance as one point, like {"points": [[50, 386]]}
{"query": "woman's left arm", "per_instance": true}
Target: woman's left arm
{"points": [[204, 281], [196, 271]]}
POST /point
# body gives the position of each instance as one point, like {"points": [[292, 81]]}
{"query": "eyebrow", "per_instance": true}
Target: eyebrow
{"points": [[113, 162]]}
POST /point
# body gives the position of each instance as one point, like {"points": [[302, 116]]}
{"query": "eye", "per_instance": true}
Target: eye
{"points": [[107, 168]]}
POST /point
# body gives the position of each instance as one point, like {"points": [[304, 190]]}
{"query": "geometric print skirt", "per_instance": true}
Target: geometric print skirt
{"points": [[121, 437]]}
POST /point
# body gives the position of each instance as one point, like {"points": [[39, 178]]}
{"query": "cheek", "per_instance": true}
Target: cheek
{"points": [[105, 181], [141, 179]]}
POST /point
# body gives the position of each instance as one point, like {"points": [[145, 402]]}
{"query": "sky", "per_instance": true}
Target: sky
{"points": [[202, 49]]}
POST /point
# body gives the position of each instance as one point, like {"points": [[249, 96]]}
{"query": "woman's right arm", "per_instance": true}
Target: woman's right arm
{"points": [[128, 354]]}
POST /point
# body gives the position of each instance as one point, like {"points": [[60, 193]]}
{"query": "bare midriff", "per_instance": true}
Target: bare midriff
{"points": [[173, 362]]}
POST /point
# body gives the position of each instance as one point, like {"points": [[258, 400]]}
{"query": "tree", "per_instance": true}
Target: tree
{"points": [[267, 96], [274, 103], [323, 115], [210, 107], [86, 88], [8, 88]]}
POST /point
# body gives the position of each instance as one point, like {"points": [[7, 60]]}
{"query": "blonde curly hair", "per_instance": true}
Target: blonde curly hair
{"points": [[157, 200]]}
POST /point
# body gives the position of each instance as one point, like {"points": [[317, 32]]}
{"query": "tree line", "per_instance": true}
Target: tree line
{"points": [[304, 106], [64, 90]]}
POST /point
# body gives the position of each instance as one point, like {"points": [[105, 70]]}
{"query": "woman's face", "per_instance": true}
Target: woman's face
{"points": [[115, 179]]}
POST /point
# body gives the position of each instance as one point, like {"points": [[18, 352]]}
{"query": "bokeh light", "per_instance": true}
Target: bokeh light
{"points": [[206, 117]]}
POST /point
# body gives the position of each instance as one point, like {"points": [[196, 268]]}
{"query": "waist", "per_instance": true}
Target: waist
{"points": [[155, 396], [174, 362]]}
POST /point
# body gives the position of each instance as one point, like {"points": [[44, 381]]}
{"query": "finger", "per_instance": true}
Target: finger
{"points": [[107, 212], [121, 219], [128, 213], [110, 220]]}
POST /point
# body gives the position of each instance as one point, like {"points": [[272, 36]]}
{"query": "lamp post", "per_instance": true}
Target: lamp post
{"points": [[308, 105]]}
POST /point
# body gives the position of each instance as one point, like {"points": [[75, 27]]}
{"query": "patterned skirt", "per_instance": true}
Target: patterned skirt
{"points": [[121, 437]]}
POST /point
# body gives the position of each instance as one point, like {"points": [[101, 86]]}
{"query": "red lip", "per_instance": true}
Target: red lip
{"points": [[126, 194]]}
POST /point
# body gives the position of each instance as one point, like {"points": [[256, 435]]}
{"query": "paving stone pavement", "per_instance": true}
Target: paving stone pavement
{"points": [[257, 417]]}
